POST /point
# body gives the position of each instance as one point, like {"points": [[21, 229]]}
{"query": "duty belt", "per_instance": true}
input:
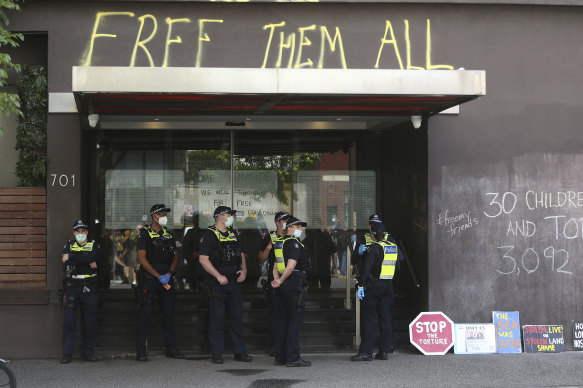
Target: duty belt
{"points": [[299, 274], [83, 276]]}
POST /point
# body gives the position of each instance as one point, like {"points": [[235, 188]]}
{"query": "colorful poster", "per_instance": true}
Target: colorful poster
{"points": [[543, 338], [474, 338], [507, 325], [578, 336]]}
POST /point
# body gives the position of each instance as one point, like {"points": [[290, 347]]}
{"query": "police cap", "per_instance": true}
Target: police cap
{"points": [[159, 207], [375, 218], [80, 224], [222, 210], [281, 216], [294, 221]]}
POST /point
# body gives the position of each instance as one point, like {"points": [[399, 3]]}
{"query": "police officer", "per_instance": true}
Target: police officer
{"points": [[375, 291], [158, 258], [272, 250], [365, 240], [290, 286], [80, 258], [221, 255]]}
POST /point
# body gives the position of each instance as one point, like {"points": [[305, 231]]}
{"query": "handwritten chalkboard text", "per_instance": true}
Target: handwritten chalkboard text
{"points": [[530, 260], [458, 222]]}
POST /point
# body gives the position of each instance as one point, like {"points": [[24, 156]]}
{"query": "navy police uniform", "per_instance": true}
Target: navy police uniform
{"points": [[376, 275], [80, 293], [276, 242], [289, 304], [276, 248], [160, 247], [225, 253]]}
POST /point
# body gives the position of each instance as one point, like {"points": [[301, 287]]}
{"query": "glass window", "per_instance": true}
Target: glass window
{"points": [[310, 174]]}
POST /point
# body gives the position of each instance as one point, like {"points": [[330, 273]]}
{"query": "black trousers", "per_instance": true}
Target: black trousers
{"points": [[148, 290], [287, 320], [378, 298], [227, 299], [74, 299]]}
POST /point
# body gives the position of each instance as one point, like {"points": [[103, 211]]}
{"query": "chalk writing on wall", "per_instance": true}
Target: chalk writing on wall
{"points": [[284, 45], [523, 254], [455, 223]]}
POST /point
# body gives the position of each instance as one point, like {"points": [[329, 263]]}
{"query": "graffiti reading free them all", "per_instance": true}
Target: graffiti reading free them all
{"points": [[279, 43]]}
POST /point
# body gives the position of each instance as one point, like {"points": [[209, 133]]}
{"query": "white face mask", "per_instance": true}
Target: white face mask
{"points": [[229, 221], [81, 238], [163, 221], [297, 233]]}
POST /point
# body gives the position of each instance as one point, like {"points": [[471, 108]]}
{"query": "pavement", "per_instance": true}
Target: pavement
{"points": [[327, 370]]}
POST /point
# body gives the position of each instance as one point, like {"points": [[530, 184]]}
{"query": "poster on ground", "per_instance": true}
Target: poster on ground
{"points": [[578, 336], [507, 325], [543, 338], [474, 338]]}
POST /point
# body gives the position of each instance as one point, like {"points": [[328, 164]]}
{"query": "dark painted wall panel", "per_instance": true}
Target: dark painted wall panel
{"points": [[64, 180], [523, 138]]}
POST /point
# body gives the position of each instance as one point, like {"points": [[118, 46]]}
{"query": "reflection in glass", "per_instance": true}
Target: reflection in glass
{"points": [[310, 174]]}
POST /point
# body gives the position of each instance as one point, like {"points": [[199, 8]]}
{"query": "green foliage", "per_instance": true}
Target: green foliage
{"points": [[9, 102], [31, 133]]}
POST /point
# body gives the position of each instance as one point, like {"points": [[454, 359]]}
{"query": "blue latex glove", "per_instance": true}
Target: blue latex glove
{"points": [[361, 249], [164, 279], [360, 293]]}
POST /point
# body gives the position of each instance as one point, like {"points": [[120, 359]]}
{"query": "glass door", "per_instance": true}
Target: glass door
{"points": [[311, 174]]}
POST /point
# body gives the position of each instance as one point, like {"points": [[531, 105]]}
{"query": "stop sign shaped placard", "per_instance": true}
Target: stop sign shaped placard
{"points": [[432, 333]]}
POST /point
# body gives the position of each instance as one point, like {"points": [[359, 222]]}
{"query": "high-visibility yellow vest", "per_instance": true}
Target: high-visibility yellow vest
{"points": [[72, 269], [277, 243], [153, 234], [389, 259], [85, 248], [368, 239], [227, 253], [282, 258]]}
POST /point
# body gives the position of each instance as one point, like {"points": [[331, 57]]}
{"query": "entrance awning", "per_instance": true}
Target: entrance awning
{"points": [[145, 97]]}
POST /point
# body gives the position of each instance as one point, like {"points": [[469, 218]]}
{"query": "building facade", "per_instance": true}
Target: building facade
{"points": [[307, 107]]}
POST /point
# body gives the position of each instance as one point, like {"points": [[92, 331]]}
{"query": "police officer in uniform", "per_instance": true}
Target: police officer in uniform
{"points": [[272, 251], [365, 240], [222, 257], [375, 291], [158, 258], [290, 286], [80, 258]]}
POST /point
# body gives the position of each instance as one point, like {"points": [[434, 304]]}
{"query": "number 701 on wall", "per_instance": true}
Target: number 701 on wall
{"points": [[62, 180]]}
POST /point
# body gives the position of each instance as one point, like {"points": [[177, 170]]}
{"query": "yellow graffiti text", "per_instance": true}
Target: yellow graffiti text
{"points": [[428, 52], [390, 39], [332, 44], [271, 28], [408, 42], [169, 41], [289, 44], [142, 43], [98, 19], [203, 37], [393, 41]]}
